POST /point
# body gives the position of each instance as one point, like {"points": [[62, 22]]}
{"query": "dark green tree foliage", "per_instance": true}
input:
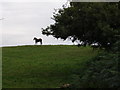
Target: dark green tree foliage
{"points": [[91, 22], [103, 71]]}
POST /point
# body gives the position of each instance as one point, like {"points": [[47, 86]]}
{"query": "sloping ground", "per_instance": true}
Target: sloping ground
{"points": [[42, 66], [0, 67]]}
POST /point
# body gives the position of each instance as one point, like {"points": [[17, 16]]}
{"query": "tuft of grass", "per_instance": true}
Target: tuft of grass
{"points": [[47, 66]]}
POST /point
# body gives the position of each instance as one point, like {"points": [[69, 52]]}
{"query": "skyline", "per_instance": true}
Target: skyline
{"points": [[24, 20]]}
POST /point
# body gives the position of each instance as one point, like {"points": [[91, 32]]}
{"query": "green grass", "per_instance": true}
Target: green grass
{"points": [[42, 66], [0, 67]]}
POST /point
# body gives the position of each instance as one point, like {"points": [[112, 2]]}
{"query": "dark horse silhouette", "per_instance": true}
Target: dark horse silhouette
{"points": [[37, 40]]}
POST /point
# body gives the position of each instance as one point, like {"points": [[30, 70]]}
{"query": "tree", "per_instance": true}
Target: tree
{"points": [[87, 22]]}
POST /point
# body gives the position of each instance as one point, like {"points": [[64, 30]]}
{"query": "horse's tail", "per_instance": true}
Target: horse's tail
{"points": [[41, 41]]}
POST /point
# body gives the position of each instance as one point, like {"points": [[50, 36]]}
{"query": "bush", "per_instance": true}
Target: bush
{"points": [[102, 71]]}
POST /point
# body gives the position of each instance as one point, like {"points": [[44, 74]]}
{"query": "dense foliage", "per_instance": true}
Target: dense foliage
{"points": [[92, 23], [103, 71], [87, 22]]}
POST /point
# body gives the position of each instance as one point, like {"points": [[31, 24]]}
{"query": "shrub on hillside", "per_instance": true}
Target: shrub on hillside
{"points": [[102, 71]]}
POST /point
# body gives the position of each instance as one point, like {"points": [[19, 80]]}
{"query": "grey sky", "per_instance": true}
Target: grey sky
{"points": [[23, 20]]}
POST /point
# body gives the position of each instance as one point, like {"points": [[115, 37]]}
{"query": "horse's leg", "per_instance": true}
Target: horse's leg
{"points": [[41, 42], [35, 43]]}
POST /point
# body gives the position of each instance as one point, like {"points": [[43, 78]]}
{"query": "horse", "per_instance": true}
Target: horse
{"points": [[37, 40]]}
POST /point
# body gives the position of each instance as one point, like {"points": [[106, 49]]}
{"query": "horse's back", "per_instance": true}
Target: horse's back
{"points": [[40, 39]]}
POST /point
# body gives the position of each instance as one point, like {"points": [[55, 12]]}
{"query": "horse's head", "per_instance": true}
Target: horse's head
{"points": [[34, 38]]}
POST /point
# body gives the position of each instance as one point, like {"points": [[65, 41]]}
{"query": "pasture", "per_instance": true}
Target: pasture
{"points": [[47, 66]]}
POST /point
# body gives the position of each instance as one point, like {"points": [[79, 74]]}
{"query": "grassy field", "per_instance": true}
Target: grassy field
{"points": [[42, 66]]}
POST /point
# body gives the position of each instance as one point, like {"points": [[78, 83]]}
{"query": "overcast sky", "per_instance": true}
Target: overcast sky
{"points": [[23, 20]]}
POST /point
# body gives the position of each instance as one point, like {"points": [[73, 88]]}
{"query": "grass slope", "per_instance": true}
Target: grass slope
{"points": [[42, 66]]}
